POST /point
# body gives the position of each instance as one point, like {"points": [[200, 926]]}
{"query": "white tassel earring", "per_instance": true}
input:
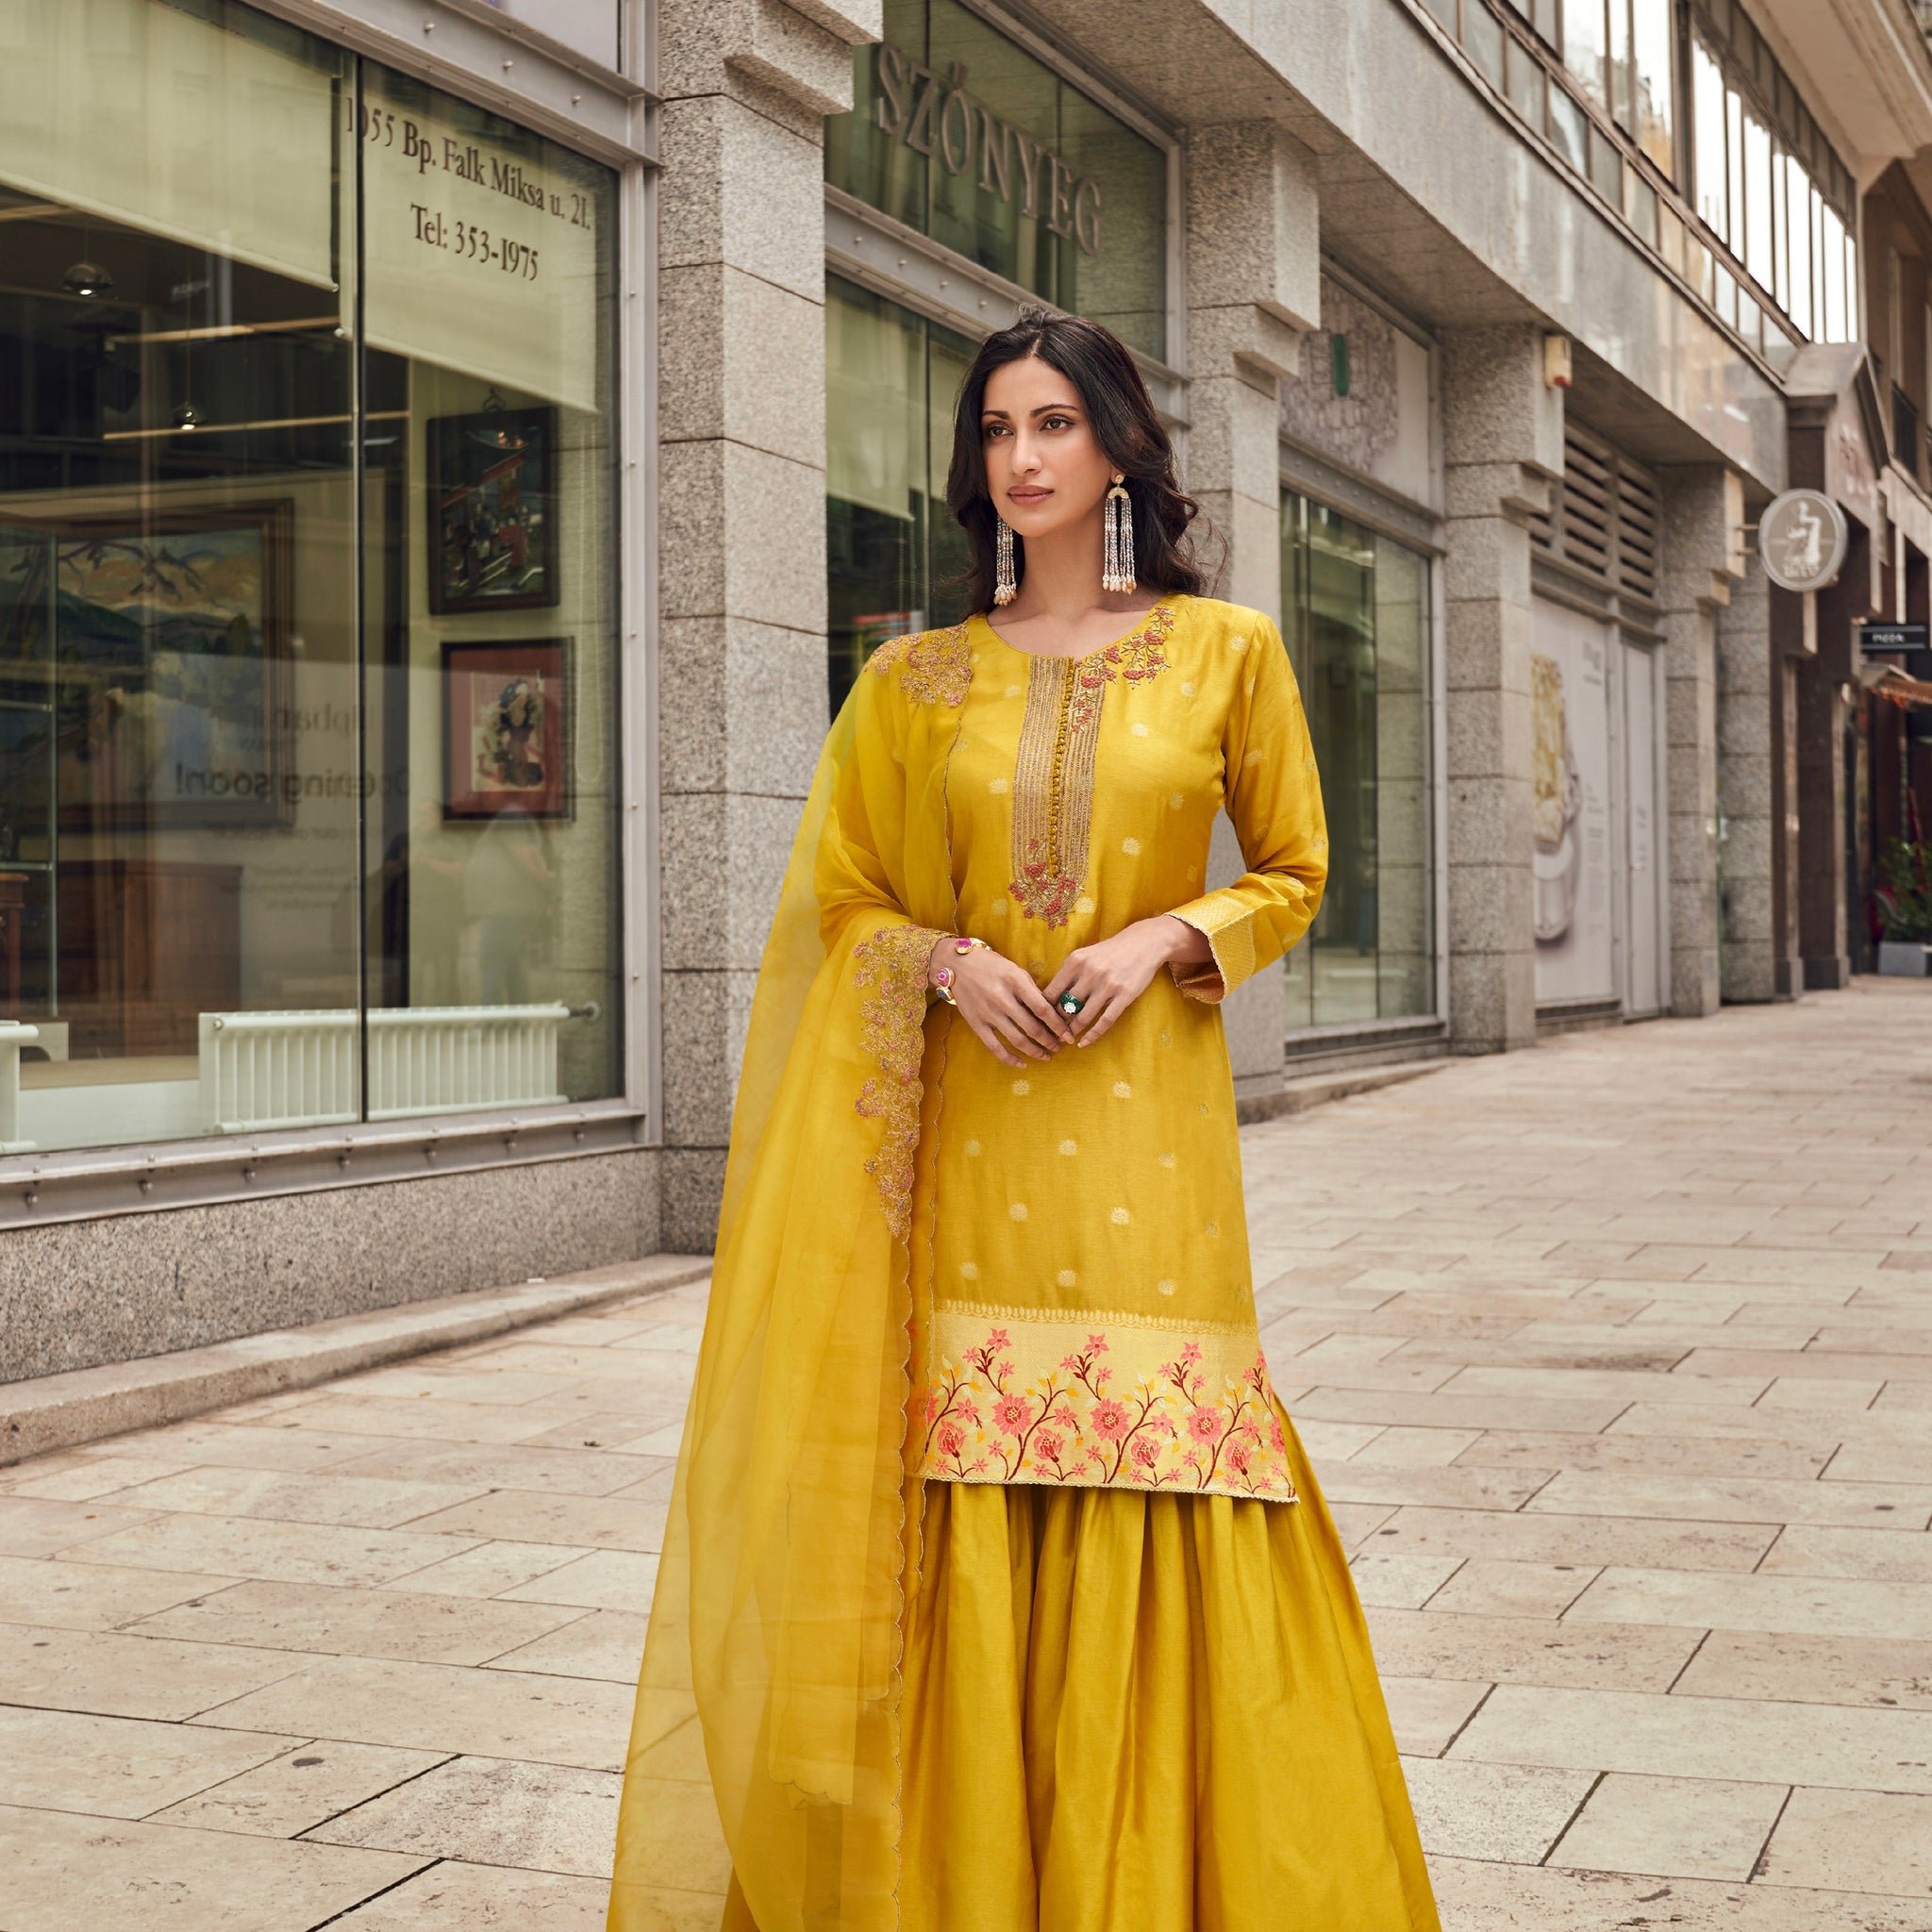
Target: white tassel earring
{"points": [[1117, 566], [1003, 586]]}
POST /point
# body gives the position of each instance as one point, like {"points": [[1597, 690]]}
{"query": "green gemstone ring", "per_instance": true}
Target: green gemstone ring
{"points": [[1069, 1005]]}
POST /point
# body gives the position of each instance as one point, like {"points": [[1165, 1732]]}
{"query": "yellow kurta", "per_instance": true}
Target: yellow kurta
{"points": [[996, 1595], [1081, 1249]]}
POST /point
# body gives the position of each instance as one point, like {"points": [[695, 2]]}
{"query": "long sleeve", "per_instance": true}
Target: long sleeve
{"points": [[1275, 802]]}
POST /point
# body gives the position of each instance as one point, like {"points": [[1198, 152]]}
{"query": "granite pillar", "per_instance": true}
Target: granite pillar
{"points": [[1254, 287], [742, 689], [1747, 670], [1503, 448], [1701, 525]]}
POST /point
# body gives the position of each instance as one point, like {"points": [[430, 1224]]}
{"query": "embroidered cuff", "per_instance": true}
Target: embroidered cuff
{"points": [[1230, 934]]}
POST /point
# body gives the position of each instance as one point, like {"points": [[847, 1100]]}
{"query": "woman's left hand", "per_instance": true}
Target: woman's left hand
{"points": [[1111, 975]]}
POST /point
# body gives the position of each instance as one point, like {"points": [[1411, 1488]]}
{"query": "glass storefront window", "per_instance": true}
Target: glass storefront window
{"points": [[307, 620], [892, 378], [964, 136], [1356, 607]]}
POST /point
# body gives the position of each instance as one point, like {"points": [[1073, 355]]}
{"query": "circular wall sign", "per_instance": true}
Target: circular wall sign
{"points": [[1801, 538]]}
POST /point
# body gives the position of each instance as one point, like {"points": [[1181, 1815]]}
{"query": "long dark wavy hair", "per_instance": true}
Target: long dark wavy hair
{"points": [[1129, 433]]}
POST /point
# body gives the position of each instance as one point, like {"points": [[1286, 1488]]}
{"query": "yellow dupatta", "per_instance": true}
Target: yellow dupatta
{"points": [[763, 1753]]}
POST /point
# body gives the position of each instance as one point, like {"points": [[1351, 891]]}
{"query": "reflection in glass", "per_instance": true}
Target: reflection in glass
{"points": [[1707, 110], [1654, 38], [237, 889], [1583, 46], [1357, 623], [894, 554], [963, 135]]}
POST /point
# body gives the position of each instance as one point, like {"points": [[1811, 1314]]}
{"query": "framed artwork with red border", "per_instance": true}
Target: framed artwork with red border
{"points": [[506, 730]]}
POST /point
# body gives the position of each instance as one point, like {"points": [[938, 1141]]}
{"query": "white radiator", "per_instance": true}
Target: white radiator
{"points": [[13, 1036], [261, 1071]]}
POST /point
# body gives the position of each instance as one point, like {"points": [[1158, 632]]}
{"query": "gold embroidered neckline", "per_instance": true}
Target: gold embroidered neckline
{"points": [[1053, 766], [1158, 615]]}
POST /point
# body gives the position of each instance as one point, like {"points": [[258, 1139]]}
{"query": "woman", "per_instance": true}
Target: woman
{"points": [[997, 1596]]}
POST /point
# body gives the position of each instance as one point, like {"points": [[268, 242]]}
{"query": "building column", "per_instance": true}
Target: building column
{"points": [[1701, 526], [1503, 446], [1747, 668], [1254, 288], [741, 663]]}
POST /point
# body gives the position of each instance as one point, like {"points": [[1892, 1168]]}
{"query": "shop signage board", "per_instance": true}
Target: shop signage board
{"points": [[480, 246], [1802, 538], [1886, 638]]}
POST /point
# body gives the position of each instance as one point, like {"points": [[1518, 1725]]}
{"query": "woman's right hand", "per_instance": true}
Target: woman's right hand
{"points": [[1002, 1003]]}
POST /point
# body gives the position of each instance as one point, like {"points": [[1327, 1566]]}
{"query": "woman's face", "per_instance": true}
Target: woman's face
{"points": [[1046, 470]]}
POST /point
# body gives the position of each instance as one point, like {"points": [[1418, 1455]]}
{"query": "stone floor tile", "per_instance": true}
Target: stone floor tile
{"points": [[1478, 1896], [101, 1475], [1803, 1606], [442, 1707], [78, 1595], [1529, 1650], [611, 1429], [1853, 1842], [524, 1516], [1485, 1587], [1820, 1392], [119, 1767], [605, 1644], [487, 1811], [1728, 1499], [489, 1388], [1608, 1385], [1649, 1419], [1433, 1448], [305, 1785], [40, 1526], [1775, 1666], [1455, 1411], [429, 1628], [356, 1501], [1544, 1537], [577, 1471], [121, 1675], [1355, 1523], [1682, 1456], [603, 1580], [1428, 1712], [1403, 1583], [486, 1569], [452, 1897], [1361, 1479], [1507, 1811], [1813, 1550], [452, 1422], [1698, 1736], [293, 1442], [286, 1552], [1330, 1442], [1675, 1827], [64, 1874]]}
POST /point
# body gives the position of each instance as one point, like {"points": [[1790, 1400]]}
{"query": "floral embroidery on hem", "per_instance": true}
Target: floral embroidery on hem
{"points": [[890, 966], [1049, 1407], [938, 668]]}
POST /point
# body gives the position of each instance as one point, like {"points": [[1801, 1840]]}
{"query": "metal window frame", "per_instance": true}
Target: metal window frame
{"points": [[611, 117]]}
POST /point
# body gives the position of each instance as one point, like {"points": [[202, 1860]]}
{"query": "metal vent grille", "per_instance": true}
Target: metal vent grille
{"points": [[1602, 521]]}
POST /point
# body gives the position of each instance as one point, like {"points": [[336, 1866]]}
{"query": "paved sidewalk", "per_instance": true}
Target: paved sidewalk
{"points": [[1616, 1360]]}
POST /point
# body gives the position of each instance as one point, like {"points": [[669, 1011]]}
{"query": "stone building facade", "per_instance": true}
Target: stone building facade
{"points": [[1485, 349]]}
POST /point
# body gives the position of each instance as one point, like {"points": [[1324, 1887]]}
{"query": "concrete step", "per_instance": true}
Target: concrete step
{"points": [[85, 1405], [1313, 1090]]}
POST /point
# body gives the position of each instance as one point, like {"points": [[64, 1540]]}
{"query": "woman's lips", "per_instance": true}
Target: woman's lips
{"points": [[1027, 495]]}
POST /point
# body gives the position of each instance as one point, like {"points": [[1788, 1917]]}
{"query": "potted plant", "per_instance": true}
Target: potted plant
{"points": [[1904, 900]]}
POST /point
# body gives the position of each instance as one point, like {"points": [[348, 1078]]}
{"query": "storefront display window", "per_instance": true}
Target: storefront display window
{"points": [[307, 621], [1356, 610], [966, 137], [895, 554]]}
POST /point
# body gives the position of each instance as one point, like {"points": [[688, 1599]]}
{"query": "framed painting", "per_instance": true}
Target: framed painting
{"points": [[492, 512], [507, 730], [171, 668]]}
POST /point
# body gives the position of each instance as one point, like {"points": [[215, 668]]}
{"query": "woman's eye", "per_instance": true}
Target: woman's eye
{"points": [[1058, 423]]}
